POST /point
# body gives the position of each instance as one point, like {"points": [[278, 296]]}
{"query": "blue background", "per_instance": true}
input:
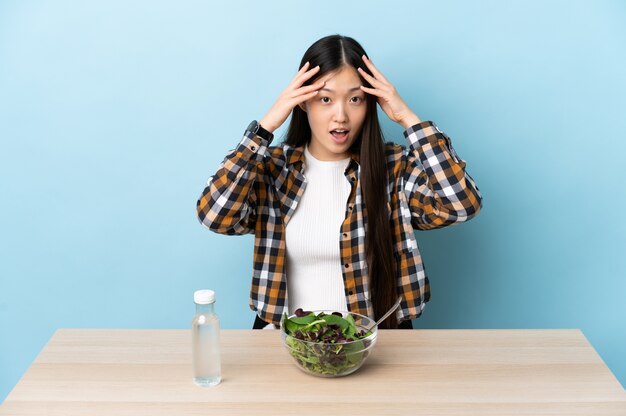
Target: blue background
{"points": [[114, 114]]}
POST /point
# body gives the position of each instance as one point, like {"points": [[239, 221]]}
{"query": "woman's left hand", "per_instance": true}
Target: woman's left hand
{"points": [[388, 98]]}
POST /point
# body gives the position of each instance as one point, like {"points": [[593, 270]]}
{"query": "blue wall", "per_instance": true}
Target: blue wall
{"points": [[113, 115]]}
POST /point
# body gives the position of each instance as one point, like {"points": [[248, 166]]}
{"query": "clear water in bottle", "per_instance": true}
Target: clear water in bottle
{"points": [[206, 340]]}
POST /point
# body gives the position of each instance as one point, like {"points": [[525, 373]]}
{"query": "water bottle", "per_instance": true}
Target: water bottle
{"points": [[205, 334]]}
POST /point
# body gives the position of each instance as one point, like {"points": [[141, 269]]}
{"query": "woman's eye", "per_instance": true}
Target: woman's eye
{"points": [[358, 99]]}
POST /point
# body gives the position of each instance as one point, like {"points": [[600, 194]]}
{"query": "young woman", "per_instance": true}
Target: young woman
{"points": [[334, 207]]}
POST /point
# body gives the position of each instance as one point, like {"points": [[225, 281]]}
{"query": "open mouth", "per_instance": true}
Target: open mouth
{"points": [[339, 135]]}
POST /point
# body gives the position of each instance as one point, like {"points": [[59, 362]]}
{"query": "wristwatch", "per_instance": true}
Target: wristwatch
{"points": [[256, 128]]}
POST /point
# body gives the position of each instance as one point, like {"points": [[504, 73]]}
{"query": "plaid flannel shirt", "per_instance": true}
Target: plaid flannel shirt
{"points": [[257, 187]]}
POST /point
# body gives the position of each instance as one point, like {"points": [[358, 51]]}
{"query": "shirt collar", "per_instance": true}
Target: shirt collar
{"points": [[295, 155]]}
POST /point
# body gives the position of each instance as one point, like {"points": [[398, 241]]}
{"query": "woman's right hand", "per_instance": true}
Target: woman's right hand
{"points": [[293, 95]]}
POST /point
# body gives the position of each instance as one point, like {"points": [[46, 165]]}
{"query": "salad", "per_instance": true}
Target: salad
{"points": [[325, 344]]}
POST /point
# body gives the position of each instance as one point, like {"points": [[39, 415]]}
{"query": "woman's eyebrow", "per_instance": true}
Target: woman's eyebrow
{"points": [[351, 89]]}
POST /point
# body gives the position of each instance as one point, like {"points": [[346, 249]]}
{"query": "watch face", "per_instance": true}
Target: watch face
{"points": [[253, 126]]}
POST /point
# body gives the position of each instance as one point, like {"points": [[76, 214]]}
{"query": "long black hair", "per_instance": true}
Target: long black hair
{"points": [[332, 53]]}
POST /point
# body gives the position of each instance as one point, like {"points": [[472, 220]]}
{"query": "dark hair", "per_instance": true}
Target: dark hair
{"points": [[332, 53]]}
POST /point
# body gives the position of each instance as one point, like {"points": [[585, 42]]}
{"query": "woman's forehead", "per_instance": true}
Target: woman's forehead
{"points": [[345, 80]]}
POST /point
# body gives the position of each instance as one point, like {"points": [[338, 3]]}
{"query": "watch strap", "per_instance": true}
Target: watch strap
{"points": [[256, 128]]}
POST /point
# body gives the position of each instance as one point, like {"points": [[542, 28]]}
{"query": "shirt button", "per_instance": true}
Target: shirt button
{"points": [[350, 293], [350, 207], [347, 266], [345, 234], [353, 179], [253, 148]]}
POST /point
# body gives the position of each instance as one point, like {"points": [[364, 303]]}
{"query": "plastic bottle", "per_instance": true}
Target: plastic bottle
{"points": [[205, 334]]}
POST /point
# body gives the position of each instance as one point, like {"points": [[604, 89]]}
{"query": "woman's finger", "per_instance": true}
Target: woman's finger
{"points": [[302, 98], [365, 75], [308, 88], [374, 70], [301, 78], [373, 91], [373, 81], [300, 72]]}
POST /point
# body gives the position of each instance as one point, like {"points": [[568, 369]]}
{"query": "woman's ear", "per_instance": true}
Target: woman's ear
{"points": [[302, 106]]}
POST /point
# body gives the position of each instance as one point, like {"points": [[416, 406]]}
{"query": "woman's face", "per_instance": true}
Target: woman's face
{"points": [[339, 105]]}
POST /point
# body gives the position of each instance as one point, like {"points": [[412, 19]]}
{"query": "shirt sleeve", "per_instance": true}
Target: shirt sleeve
{"points": [[228, 204], [439, 190]]}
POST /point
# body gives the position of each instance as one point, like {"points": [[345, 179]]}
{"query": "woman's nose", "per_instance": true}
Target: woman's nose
{"points": [[340, 114]]}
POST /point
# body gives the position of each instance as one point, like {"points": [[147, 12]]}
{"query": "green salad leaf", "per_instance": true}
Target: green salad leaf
{"points": [[326, 344]]}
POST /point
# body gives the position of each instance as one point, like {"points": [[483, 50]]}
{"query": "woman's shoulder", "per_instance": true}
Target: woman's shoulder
{"points": [[396, 157], [394, 152], [281, 155]]}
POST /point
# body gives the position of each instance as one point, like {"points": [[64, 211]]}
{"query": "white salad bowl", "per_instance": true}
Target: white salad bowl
{"points": [[331, 359]]}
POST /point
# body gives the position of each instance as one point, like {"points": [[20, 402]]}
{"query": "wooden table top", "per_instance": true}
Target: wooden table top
{"points": [[431, 372]]}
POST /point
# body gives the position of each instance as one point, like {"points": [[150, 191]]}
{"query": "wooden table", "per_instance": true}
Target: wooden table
{"points": [[430, 372]]}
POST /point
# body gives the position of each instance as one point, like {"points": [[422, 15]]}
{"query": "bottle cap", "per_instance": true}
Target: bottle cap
{"points": [[204, 297]]}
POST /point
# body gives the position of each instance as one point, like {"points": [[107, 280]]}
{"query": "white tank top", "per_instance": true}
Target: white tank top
{"points": [[314, 266]]}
